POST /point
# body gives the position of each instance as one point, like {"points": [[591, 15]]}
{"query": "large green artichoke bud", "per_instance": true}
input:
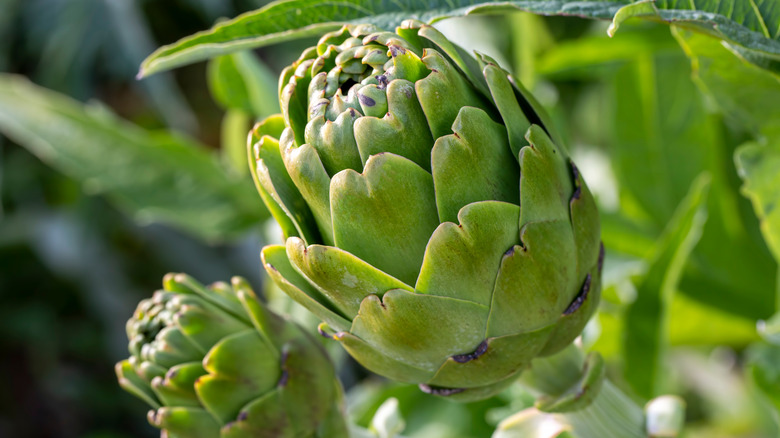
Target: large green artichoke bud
{"points": [[432, 220], [215, 363]]}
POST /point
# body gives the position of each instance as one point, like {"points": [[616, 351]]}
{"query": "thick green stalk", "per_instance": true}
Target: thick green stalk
{"points": [[610, 414]]}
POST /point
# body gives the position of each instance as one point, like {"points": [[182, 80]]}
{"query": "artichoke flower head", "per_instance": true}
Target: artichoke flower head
{"points": [[215, 363], [431, 219]]}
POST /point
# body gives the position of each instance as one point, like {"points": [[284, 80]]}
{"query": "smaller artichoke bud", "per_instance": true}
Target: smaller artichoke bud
{"points": [[215, 362]]}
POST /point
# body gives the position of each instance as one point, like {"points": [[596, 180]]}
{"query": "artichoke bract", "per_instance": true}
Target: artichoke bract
{"points": [[432, 219], [215, 363]]}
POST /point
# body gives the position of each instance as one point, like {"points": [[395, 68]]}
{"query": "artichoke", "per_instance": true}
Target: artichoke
{"points": [[214, 362], [432, 219]]}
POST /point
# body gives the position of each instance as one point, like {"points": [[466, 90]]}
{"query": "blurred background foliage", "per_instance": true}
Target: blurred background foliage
{"points": [[107, 183]]}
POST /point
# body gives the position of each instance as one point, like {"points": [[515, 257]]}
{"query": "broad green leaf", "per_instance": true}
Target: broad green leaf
{"points": [[646, 320], [592, 55], [742, 279], [661, 133], [155, 176], [749, 95], [759, 167], [762, 16], [743, 91], [749, 23], [663, 136], [241, 81]]}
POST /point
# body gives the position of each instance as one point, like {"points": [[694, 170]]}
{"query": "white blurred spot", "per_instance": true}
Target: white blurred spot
{"points": [[598, 175]]}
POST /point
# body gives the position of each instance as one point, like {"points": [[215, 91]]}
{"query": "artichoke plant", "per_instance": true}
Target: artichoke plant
{"points": [[214, 362], [432, 218]]}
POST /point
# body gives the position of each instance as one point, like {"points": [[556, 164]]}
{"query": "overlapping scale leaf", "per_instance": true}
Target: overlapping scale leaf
{"points": [[170, 347], [176, 387], [306, 170], [577, 314], [205, 325], [241, 368], [402, 130], [444, 92], [335, 141], [585, 225], [420, 330], [545, 182], [503, 94], [339, 275], [274, 330], [130, 380], [467, 395], [534, 285], [304, 362], [184, 422], [497, 359], [466, 63], [462, 259], [293, 97], [375, 358], [385, 215], [265, 417], [277, 190], [473, 164], [278, 266]]}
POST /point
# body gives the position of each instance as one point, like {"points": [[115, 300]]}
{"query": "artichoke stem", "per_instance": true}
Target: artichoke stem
{"points": [[611, 413]]}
